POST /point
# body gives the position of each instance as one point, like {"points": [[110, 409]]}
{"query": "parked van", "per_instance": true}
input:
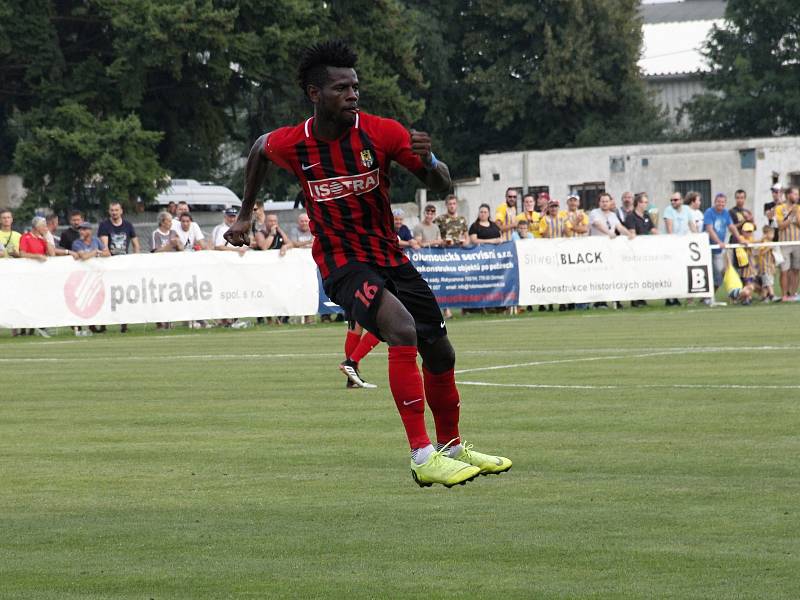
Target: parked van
{"points": [[205, 196]]}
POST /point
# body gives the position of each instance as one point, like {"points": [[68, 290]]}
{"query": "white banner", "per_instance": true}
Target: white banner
{"points": [[597, 269], [180, 286]]}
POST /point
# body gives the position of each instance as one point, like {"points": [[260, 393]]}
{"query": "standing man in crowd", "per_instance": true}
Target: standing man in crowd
{"points": [[739, 214], [9, 239], [554, 223], [118, 235], [189, 233], [529, 214], [71, 233], [301, 235], [694, 201], [33, 244], [273, 237], [626, 208], [604, 221], [579, 220], [638, 220], [218, 241], [358, 255], [506, 215], [452, 227], [678, 217], [52, 228], [788, 217], [426, 232], [718, 224], [404, 236], [87, 245]]}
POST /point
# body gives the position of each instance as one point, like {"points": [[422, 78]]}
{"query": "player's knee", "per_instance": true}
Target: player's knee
{"points": [[438, 357], [401, 334]]}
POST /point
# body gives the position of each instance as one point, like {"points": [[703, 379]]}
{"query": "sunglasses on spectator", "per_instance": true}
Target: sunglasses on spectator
{"points": [[430, 210]]}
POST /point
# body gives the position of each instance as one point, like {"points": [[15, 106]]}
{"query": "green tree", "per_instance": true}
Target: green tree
{"points": [[70, 158], [755, 73]]}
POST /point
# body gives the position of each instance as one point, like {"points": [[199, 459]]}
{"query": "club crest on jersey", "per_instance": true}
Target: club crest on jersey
{"points": [[366, 158], [323, 190]]}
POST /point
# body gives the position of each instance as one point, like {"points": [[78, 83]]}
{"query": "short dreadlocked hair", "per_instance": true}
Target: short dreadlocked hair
{"points": [[315, 59]]}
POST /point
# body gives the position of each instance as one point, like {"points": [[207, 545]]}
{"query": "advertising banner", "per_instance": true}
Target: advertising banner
{"points": [[597, 269], [470, 277], [178, 286]]}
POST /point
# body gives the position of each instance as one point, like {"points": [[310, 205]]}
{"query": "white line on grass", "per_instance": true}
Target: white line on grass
{"points": [[689, 386], [125, 358], [690, 350]]}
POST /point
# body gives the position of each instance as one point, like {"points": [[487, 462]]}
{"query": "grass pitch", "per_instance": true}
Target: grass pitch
{"points": [[655, 456]]}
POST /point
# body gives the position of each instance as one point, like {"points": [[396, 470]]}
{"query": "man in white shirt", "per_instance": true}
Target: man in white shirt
{"points": [[190, 234], [604, 221], [218, 242]]}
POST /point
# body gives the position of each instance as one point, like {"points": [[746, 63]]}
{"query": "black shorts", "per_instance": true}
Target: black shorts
{"points": [[357, 288]]}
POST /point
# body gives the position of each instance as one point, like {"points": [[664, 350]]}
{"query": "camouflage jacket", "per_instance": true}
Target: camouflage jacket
{"points": [[452, 228]]}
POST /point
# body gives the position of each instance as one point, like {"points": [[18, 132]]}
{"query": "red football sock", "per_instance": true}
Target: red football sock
{"points": [[442, 396], [409, 396], [351, 342], [367, 343]]}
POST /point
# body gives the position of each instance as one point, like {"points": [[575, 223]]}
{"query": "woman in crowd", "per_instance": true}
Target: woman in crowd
{"points": [[483, 230]]}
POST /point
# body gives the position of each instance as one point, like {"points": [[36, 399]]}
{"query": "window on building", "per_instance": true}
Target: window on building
{"points": [[616, 164], [701, 186], [747, 158], [588, 193], [538, 189], [794, 179]]}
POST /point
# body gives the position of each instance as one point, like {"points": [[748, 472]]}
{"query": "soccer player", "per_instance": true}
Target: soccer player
{"points": [[341, 157]]}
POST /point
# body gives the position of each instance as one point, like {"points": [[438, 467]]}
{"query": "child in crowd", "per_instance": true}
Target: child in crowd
{"points": [[765, 260]]}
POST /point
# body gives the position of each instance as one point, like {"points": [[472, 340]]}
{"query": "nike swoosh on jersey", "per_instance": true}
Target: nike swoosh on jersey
{"points": [[307, 167]]}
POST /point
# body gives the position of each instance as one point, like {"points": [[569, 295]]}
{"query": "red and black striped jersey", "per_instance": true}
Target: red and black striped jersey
{"points": [[346, 185]]}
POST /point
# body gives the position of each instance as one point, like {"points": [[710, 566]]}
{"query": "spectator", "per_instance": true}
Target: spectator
{"points": [[739, 214], [33, 244], [180, 208], [521, 232], [164, 237], [788, 217], [718, 223], [777, 194], [529, 214], [542, 198], [579, 220], [506, 214], [259, 223], [189, 234], [172, 209], [678, 221], [71, 233], [678, 217], [747, 268], [273, 238], [9, 239], [218, 242], [116, 233], [604, 221], [452, 227], [87, 245], [427, 233], [626, 208], [694, 201], [638, 220], [301, 235], [52, 228], [554, 224], [404, 237], [484, 231], [765, 261], [769, 214]]}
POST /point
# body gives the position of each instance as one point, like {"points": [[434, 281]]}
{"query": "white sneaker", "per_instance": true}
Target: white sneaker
{"points": [[240, 325], [41, 332]]}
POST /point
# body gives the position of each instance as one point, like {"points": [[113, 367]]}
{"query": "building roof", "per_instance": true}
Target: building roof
{"points": [[674, 48], [685, 10]]}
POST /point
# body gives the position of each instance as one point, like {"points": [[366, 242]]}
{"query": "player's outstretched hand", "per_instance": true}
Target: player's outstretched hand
{"points": [[421, 145], [238, 234]]}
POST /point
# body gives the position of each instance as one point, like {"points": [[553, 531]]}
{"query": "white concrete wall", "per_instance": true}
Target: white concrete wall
{"points": [[717, 161]]}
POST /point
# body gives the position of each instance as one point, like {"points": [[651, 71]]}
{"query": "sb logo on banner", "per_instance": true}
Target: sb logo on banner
{"points": [[698, 279]]}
